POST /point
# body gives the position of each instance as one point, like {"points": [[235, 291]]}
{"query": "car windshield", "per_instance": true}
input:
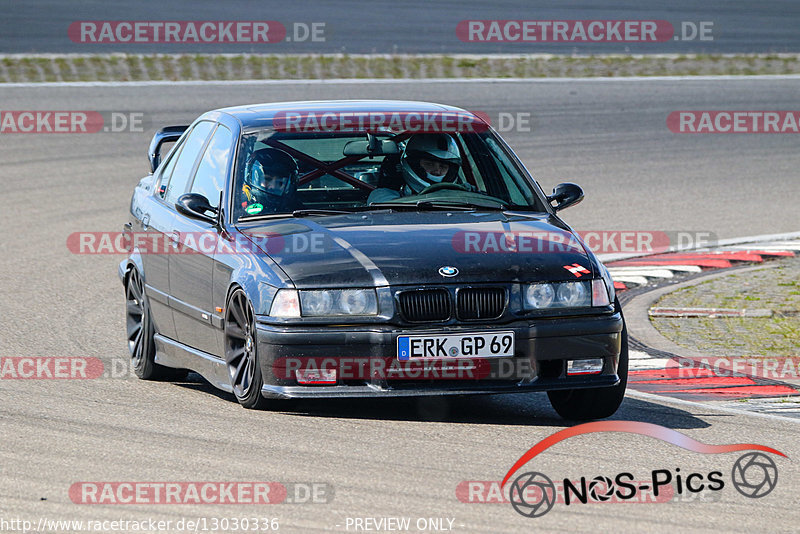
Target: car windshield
{"points": [[306, 173]]}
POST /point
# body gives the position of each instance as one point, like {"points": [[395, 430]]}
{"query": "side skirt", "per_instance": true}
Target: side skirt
{"points": [[170, 353]]}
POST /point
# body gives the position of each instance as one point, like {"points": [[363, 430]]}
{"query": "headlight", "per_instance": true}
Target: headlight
{"points": [[573, 294], [316, 302], [539, 295], [339, 302], [357, 302], [560, 295]]}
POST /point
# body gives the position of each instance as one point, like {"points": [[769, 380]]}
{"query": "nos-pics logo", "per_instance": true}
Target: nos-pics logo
{"points": [[533, 494]]}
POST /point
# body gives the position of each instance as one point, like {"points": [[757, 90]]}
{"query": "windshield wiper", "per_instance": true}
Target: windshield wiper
{"points": [[321, 211], [438, 205], [264, 217], [529, 209], [422, 204], [295, 213], [468, 205]]}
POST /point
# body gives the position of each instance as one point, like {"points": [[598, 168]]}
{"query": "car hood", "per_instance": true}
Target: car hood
{"points": [[410, 248]]}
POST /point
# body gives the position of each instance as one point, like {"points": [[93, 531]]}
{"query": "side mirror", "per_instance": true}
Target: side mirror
{"points": [[195, 205], [167, 134], [566, 195]]}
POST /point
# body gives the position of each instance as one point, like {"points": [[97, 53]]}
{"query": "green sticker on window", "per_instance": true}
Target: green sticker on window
{"points": [[252, 209]]}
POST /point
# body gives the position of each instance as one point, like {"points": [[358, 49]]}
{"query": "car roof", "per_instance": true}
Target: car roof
{"points": [[254, 115]]}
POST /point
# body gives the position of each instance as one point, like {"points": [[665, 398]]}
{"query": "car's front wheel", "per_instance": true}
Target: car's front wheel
{"points": [[241, 352], [594, 403]]}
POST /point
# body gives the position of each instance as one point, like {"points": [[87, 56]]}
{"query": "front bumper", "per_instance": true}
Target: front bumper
{"points": [[121, 270], [542, 348]]}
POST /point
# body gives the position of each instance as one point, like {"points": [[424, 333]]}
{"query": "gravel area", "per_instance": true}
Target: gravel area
{"points": [[776, 288], [171, 67]]}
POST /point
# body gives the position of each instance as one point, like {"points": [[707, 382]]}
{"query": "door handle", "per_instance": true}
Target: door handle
{"points": [[175, 238], [145, 221]]}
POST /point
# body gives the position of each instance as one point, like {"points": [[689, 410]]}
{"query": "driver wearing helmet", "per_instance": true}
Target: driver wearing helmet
{"points": [[428, 159], [270, 183]]}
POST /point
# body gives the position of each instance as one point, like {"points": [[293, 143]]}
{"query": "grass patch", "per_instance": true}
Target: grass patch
{"points": [[776, 337], [258, 66]]}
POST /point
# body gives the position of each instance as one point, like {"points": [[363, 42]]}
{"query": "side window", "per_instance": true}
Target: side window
{"points": [[210, 177], [505, 166], [476, 173], [163, 180], [186, 159]]}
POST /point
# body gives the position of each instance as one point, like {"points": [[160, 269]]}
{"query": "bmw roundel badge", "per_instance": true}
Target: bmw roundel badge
{"points": [[448, 271]]}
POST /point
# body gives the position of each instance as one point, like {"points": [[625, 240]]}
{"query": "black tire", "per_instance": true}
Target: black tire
{"points": [[141, 332], [594, 403], [241, 352]]}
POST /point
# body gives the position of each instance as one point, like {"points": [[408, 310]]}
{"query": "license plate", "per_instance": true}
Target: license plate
{"points": [[478, 345]]}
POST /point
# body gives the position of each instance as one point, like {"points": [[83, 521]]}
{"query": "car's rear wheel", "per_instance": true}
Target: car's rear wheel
{"points": [[594, 403], [241, 352], [141, 332]]}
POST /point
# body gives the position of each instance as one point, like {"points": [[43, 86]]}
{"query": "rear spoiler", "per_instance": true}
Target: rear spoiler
{"points": [[164, 135]]}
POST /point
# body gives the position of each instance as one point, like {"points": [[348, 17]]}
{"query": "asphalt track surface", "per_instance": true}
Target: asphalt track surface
{"points": [[415, 26], [382, 458]]}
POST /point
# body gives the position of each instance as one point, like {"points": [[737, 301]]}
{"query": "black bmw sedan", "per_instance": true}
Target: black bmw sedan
{"points": [[364, 249]]}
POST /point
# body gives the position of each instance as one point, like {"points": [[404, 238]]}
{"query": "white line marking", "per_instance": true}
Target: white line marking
{"points": [[638, 355], [360, 81], [759, 238], [668, 400], [767, 248], [340, 55], [607, 258], [632, 269], [629, 279], [781, 243], [652, 272], [653, 364]]}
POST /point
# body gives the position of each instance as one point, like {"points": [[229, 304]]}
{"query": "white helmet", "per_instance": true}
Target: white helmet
{"points": [[438, 147]]}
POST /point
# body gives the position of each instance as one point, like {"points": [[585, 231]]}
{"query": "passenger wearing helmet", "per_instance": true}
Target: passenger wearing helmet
{"points": [[427, 159], [270, 183]]}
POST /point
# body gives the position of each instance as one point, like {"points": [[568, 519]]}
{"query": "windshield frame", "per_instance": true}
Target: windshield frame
{"points": [[333, 168]]}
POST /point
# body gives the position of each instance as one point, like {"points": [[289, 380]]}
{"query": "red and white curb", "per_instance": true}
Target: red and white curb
{"points": [[631, 271], [662, 376]]}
